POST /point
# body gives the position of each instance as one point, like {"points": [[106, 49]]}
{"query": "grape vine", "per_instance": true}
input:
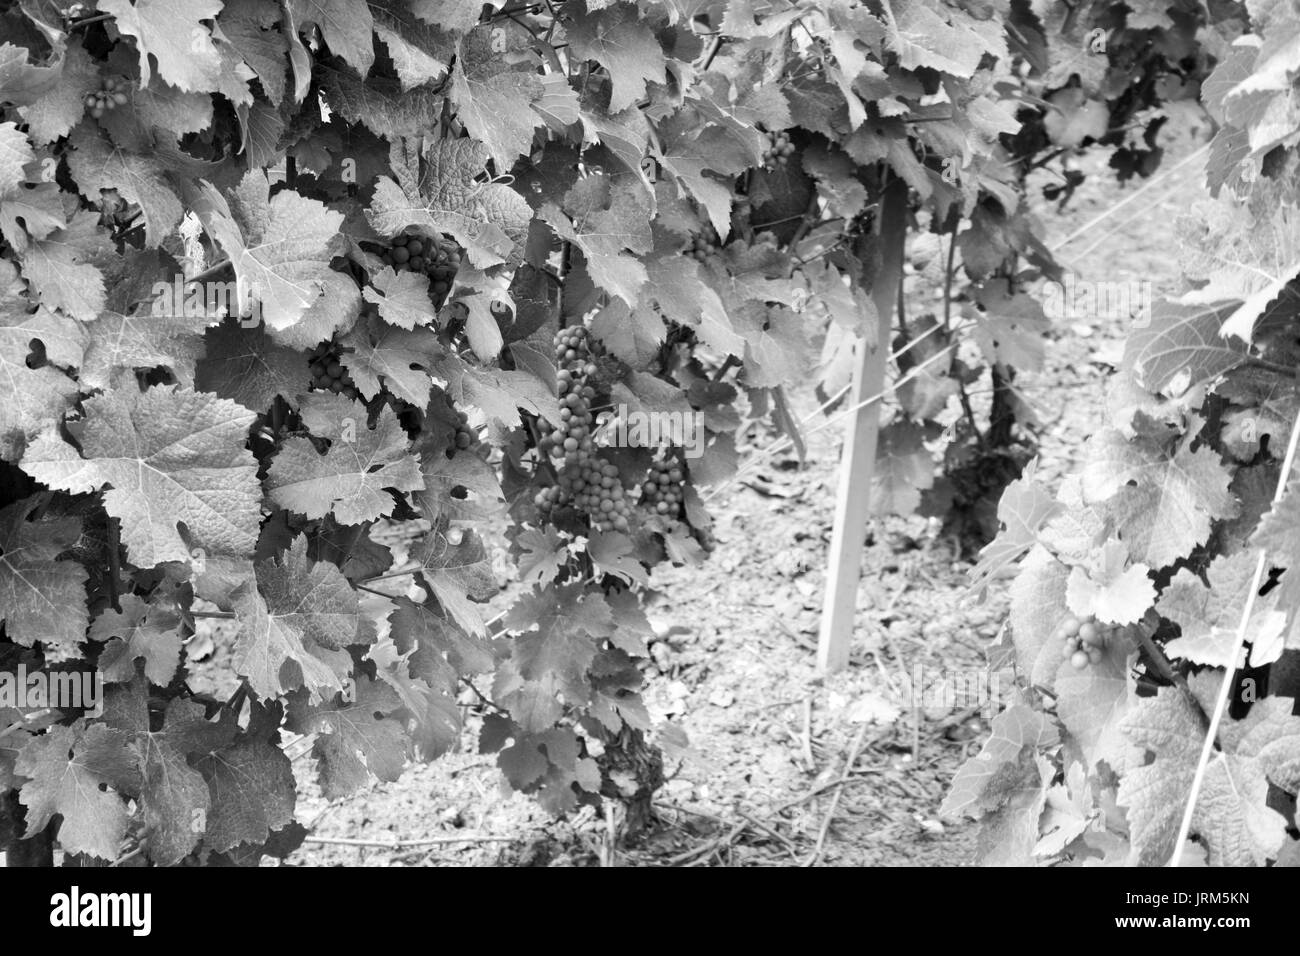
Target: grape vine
{"points": [[283, 282], [1155, 614]]}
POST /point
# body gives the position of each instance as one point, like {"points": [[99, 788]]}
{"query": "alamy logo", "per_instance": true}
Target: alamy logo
{"points": [[1075, 298], [628, 428], [947, 690], [208, 298], [75, 909], [60, 690]]}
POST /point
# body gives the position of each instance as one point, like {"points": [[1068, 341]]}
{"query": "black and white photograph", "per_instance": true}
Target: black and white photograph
{"points": [[651, 434]]}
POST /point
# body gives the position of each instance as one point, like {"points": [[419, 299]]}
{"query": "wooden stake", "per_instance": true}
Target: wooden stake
{"points": [[853, 499]]}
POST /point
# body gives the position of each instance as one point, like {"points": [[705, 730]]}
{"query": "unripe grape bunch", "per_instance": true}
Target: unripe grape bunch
{"points": [[592, 487], [779, 150], [1083, 640], [662, 492], [465, 436], [110, 95], [328, 373], [704, 244], [438, 258], [584, 480], [570, 439]]}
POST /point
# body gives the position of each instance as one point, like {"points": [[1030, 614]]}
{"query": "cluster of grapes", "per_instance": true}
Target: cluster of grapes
{"points": [[779, 150], [109, 96], [594, 488], [662, 491], [465, 436], [328, 373], [704, 244], [1084, 641], [592, 485], [570, 439], [438, 258]]}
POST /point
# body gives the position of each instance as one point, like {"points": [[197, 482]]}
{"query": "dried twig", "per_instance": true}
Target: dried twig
{"points": [[402, 844], [854, 750]]}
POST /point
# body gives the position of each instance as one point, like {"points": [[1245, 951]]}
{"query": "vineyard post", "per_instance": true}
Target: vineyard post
{"points": [[853, 497]]}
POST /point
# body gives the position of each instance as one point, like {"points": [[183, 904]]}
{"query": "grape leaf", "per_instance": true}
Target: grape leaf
{"points": [[923, 38], [174, 797], [463, 487], [542, 554], [498, 392], [61, 270], [20, 82], [402, 297], [987, 780], [606, 220], [904, 468], [494, 97], [1010, 327], [41, 598], [246, 366], [31, 396], [82, 774], [97, 164], [615, 554], [144, 340], [172, 456], [1112, 591], [437, 644], [419, 52], [380, 104], [459, 16], [302, 612], [53, 114], [382, 356], [346, 25], [350, 480], [556, 634], [621, 43], [1231, 815], [459, 573], [251, 786], [1165, 499], [1093, 702], [279, 249], [548, 765], [1025, 507], [139, 630], [172, 32], [334, 310], [1179, 347], [1209, 616], [248, 28], [489, 220], [1037, 608], [356, 737]]}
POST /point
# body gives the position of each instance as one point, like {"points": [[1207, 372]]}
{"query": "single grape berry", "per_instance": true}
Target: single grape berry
{"points": [[1079, 660]]}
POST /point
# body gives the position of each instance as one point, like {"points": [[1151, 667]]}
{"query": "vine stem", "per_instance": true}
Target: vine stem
{"points": [[714, 47], [1221, 704], [114, 563]]}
